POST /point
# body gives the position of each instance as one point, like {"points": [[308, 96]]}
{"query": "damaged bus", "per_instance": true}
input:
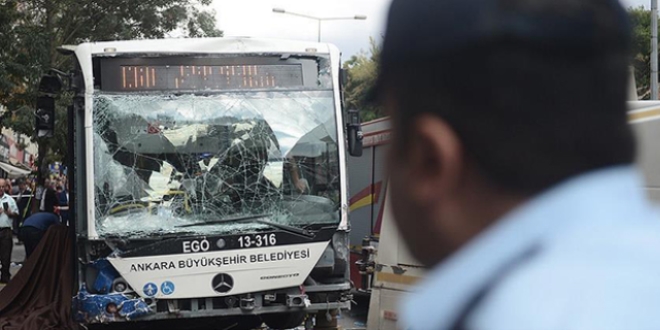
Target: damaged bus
{"points": [[210, 180]]}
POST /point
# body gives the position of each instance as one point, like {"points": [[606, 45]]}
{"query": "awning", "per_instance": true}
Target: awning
{"points": [[13, 171]]}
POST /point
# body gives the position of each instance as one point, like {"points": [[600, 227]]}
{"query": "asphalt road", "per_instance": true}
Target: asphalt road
{"points": [[356, 318]]}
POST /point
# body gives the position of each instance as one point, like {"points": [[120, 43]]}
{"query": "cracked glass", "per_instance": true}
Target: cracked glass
{"points": [[179, 163]]}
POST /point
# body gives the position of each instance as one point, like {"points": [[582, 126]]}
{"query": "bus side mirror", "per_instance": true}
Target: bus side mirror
{"points": [[45, 116], [354, 131]]}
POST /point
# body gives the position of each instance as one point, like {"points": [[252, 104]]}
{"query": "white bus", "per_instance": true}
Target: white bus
{"points": [[210, 180]]}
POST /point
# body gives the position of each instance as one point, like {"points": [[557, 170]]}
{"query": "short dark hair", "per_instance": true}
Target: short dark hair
{"points": [[527, 116]]}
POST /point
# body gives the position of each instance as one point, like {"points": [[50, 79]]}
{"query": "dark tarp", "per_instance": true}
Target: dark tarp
{"points": [[39, 296]]}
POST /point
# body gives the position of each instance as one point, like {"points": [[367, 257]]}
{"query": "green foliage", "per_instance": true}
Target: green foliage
{"points": [[31, 31], [363, 67], [203, 25], [641, 61], [362, 74]]}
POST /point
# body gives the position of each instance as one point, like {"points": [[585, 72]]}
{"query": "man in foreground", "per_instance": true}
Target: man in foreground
{"points": [[511, 165]]}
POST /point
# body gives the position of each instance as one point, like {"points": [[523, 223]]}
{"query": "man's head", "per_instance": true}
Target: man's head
{"points": [[22, 184], [494, 101]]}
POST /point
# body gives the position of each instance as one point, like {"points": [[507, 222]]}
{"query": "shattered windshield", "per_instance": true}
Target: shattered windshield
{"points": [[181, 163]]}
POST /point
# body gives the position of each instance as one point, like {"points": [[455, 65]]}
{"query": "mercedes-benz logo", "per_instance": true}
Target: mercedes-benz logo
{"points": [[222, 283]]}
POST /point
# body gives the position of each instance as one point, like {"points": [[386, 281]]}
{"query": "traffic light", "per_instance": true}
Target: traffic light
{"points": [[45, 116], [49, 86]]}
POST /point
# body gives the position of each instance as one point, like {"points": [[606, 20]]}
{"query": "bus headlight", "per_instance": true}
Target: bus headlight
{"points": [[327, 259], [340, 245]]}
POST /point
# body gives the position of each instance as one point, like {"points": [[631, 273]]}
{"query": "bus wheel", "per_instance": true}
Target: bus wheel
{"points": [[284, 321]]}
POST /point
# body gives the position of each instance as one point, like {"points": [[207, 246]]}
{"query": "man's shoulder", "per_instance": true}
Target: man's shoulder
{"points": [[606, 280]]}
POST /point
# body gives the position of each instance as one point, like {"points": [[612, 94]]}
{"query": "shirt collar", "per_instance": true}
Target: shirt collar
{"points": [[453, 283]]}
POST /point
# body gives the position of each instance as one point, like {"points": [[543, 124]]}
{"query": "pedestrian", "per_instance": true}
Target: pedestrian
{"points": [[24, 198], [14, 187], [511, 165], [8, 210], [63, 198], [24, 202], [43, 186], [8, 187], [34, 227]]}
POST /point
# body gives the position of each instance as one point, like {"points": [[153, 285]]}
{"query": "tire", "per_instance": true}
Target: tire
{"points": [[284, 321]]}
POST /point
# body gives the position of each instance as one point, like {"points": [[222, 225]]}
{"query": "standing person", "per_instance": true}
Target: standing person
{"points": [[39, 194], [8, 210], [63, 199], [24, 202], [34, 227], [8, 187], [14, 187], [511, 165]]}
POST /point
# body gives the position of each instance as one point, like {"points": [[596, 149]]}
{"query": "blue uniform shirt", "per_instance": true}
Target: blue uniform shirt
{"points": [[41, 220], [596, 266]]}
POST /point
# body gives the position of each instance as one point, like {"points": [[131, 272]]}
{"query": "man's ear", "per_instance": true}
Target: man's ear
{"points": [[437, 158]]}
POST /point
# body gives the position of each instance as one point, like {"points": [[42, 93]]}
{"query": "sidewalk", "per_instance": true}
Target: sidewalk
{"points": [[17, 256]]}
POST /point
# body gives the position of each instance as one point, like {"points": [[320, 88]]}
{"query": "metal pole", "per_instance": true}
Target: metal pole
{"points": [[319, 19], [654, 49]]}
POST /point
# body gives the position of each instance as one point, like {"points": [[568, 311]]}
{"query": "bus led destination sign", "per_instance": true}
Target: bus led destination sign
{"points": [[205, 74], [208, 77]]}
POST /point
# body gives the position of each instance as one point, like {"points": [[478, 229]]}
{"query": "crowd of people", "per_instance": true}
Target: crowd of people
{"points": [[27, 210]]}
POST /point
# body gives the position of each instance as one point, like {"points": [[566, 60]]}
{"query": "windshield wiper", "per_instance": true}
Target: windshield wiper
{"points": [[260, 218]]}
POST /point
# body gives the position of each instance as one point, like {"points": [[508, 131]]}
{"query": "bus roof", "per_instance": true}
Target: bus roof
{"points": [[229, 45]]}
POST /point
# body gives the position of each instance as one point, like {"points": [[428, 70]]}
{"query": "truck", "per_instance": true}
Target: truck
{"points": [[383, 265], [383, 269], [208, 180]]}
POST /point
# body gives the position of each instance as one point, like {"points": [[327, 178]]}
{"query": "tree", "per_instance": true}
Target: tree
{"points": [[362, 75], [31, 31], [363, 67], [641, 60]]}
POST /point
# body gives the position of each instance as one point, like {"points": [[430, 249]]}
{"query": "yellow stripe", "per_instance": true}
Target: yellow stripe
{"points": [[643, 114], [367, 200], [398, 279]]}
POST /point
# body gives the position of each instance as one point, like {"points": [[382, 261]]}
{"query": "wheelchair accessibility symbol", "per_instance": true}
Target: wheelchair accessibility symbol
{"points": [[167, 288]]}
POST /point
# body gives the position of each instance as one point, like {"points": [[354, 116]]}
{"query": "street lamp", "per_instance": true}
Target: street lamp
{"points": [[319, 19]]}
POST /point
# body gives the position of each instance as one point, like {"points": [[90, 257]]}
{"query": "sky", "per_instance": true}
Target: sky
{"points": [[636, 3], [255, 18]]}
